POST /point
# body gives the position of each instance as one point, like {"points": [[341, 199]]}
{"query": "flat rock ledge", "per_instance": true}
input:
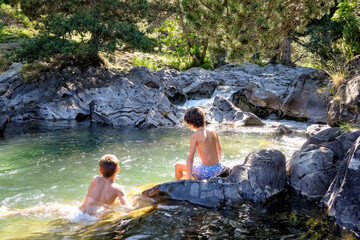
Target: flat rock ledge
{"points": [[261, 176]]}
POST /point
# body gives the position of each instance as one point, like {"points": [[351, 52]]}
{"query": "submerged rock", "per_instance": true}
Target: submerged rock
{"points": [[343, 196], [261, 176], [312, 169]]}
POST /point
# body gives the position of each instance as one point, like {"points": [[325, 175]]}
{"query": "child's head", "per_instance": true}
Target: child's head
{"points": [[195, 117], [109, 165]]}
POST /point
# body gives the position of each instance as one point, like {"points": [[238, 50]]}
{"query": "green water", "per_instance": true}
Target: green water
{"points": [[54, 165]]}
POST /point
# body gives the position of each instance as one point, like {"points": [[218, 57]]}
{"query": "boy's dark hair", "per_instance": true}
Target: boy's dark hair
{"points": [[108, 165], [195, 117]]}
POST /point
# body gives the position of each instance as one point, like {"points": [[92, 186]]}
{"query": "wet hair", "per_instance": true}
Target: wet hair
{"points": [[194, 116], [108, 165]]}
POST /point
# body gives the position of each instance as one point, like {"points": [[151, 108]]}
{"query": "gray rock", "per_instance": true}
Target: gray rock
{"points": [[343, 196], [257, 100], [312, 169], [282, 130], [314, 129], [4, 120], [225, 112], [303, 102], [263, 175], [345, 106]]}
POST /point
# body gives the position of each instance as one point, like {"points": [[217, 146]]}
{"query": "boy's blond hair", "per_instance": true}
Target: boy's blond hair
{"points": [[109, 165]]}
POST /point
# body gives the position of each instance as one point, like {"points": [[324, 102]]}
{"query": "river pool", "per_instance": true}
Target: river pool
{"points": [[50, 166]]}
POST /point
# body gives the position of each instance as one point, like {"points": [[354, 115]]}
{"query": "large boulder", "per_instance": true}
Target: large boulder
{"points": [[138, 107], [104, 95], [261, 176], [223, 111], [345, 106], [343, 196], [312, 169], [257, 100], [304, 102]]}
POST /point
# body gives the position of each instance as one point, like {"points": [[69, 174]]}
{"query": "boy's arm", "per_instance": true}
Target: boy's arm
{"points": [[88, 195], [122, 197], [190, 159], [218, 146]]}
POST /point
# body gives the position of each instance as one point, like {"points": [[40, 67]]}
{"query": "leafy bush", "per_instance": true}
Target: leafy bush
{"points": [[7, 10]]}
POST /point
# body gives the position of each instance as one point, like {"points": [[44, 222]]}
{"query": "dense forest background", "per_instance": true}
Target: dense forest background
{"points": [[179, 33]]}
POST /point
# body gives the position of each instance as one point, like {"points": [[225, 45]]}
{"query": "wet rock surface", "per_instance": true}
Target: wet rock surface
{"points": [[343, 196], [261, 176]]}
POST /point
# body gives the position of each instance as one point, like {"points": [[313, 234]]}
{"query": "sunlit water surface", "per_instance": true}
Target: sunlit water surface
{"points": [[51, 166]]}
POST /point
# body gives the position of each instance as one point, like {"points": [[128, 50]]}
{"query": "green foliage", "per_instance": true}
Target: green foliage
{"points": [[83, 27], [32, 71], [335, 38], [5, 62], [252, 28], [173, 44], [14, 34], [347, 13], [14, 14], [147, 62]]}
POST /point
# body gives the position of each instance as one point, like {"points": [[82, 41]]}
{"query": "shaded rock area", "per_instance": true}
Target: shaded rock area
{"points": [[4, 120], [345, 107], [262, 175], [343, 196], [312, 169]]}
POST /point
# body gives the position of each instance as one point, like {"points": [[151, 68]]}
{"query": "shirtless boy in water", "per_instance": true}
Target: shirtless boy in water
{"points": [[206, 143], [103, 190]]}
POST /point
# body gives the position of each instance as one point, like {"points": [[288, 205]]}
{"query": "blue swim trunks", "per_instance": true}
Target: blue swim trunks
{"points": [[201, 171]]}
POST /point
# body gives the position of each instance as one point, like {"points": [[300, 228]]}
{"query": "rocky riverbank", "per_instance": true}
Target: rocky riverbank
{"points": [[326, 165], [144, 98], [326, 169]]}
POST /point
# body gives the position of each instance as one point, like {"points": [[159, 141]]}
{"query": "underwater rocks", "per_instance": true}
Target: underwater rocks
{"points": [[312, 169], [343, 196], [262, 175]]}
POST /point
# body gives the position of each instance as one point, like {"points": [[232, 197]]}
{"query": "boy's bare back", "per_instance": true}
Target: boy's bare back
{"points": [[207, 146], [102, 191]]}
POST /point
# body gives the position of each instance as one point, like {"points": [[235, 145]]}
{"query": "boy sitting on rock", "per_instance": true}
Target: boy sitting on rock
{"points": [[206, 143]]}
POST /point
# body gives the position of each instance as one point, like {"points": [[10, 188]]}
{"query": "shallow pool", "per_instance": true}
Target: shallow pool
{"points": [[53, 164]]}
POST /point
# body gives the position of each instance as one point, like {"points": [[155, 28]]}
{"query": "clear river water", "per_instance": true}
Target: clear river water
{"points": [[45, 170]]}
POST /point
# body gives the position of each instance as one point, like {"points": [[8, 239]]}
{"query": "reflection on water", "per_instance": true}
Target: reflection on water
{"points": [[47, 165]]}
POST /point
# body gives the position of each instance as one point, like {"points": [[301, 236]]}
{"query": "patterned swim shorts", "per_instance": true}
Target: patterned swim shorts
{"points": [[201, 171]]}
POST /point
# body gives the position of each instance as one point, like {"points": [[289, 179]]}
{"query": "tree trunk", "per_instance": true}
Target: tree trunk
{"points": [[286, 53]]}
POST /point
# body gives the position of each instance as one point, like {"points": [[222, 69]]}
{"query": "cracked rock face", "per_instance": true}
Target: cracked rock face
{"points": [[225, 112], [343, 196], [261, 176], [312, 169]]}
